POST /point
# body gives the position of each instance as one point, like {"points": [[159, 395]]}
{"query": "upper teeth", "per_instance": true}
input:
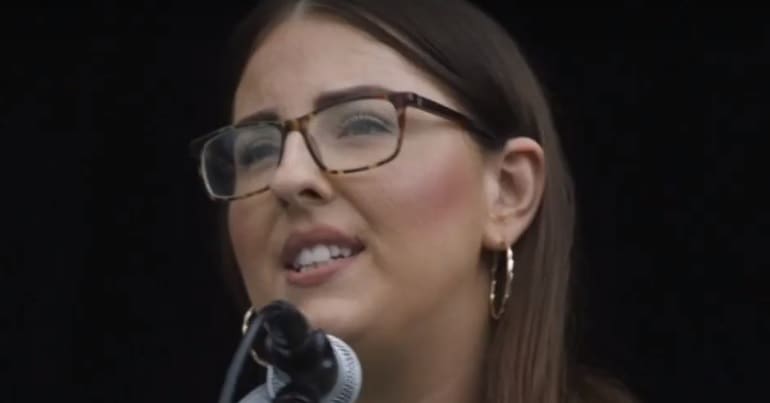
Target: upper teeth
{"points": [[319, 254]]}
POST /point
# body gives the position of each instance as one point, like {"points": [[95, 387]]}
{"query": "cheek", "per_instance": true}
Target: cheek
{"points": [[429, 194], [436, 196], [250, 240], [424, 214]]}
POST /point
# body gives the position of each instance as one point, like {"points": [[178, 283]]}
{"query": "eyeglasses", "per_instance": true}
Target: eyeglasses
{"points": [[353, 134]]}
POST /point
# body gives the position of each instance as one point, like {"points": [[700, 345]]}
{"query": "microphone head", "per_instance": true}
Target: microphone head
{"points": [[349, 378], [285, 324]]}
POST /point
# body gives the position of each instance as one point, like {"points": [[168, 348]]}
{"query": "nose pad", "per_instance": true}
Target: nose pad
{"points": [[294, 146], [298, 177], [314, 150]]}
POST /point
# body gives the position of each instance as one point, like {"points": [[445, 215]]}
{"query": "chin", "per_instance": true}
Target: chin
{"points": [[337, 316]]}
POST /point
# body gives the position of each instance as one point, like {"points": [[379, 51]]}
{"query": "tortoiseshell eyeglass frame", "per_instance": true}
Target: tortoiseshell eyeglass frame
{"points": [[400, 101]]}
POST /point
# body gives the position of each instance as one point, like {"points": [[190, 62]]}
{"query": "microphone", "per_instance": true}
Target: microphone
{"points": [[303, 365]]}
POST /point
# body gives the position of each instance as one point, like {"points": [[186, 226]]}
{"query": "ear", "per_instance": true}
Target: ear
{"points": [[514, 181]]}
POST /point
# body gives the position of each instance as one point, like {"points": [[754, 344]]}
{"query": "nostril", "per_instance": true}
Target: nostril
{"points": [[307, 195], [310, 193]]}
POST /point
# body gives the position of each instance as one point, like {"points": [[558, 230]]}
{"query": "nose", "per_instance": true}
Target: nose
{"points": [[298, 180]]}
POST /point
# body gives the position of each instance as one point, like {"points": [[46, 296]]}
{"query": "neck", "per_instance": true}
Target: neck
{"points": [[444, 365]]}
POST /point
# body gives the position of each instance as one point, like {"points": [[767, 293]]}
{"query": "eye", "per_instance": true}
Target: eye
{"points": [[362, 124], [256, 152]]}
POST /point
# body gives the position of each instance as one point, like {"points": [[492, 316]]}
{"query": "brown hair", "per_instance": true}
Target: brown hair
{"points": [[480, 63]]}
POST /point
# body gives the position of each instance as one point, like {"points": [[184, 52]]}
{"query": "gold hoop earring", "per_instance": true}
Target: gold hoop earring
{"points": [[245, 327], [509, 262]]}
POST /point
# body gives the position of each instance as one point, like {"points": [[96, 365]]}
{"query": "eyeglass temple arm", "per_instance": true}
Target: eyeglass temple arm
{"points": [[449, 113]]}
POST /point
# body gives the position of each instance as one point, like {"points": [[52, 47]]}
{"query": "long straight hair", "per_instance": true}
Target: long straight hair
{"points": [[479, 62]]}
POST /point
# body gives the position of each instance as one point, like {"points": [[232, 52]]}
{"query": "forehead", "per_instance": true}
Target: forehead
{"points": [[308, 55]]}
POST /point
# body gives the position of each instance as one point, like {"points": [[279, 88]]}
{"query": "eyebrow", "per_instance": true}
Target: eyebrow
{"points": [[323, 100]]}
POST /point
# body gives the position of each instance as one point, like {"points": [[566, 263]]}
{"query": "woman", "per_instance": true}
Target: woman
{"points": [[392, 170]]}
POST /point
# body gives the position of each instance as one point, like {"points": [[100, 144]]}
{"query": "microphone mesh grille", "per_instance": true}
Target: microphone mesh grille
{"points": [[349, 385], [349, 378]]}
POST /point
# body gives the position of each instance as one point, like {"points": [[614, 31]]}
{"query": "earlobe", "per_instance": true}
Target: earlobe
{"points": [[515, 183]]}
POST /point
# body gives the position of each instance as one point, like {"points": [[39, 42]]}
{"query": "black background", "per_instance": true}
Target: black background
{"points": [[111, 266]]}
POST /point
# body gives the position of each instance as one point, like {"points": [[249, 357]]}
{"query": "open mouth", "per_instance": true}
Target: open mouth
{"points": [[314, 257]]}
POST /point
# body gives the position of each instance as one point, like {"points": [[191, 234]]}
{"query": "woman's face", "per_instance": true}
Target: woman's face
{"points": [[414, 225]]}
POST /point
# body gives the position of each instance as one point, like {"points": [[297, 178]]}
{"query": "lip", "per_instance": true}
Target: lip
{"points": [[321, 274], [324, 235]]}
